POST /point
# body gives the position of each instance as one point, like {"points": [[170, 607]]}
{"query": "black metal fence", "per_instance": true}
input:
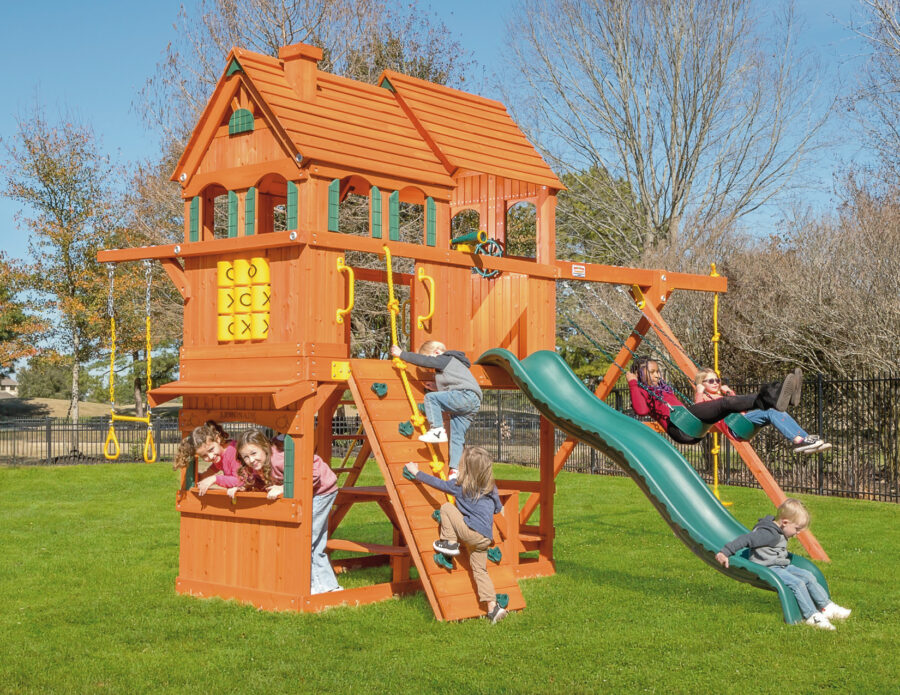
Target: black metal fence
{"points": [[860, 417]]}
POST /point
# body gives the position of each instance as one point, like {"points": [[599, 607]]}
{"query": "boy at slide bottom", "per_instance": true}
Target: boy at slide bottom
{"points": [[768, 546]]}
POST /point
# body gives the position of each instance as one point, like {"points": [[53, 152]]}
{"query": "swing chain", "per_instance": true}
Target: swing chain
{"points": [[110, 271], [148, 275]]}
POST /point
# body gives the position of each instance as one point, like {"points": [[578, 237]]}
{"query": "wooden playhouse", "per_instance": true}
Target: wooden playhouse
{"points": [[268, 304]]}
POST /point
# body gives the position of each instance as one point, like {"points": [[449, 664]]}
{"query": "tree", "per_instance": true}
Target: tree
{"points": [[59, 174], [878, 98], [685, 115], [824, 293], [49, 375], [589, 223], [19, 328]]}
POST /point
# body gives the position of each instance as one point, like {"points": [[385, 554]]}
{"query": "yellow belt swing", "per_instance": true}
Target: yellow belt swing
{"points": [[111, 449]]}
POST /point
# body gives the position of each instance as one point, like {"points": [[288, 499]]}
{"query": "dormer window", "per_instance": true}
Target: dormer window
{"points": [[241, 121]]}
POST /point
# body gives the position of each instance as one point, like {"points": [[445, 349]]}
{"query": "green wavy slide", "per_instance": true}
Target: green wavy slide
{"points": [[666, 478]]}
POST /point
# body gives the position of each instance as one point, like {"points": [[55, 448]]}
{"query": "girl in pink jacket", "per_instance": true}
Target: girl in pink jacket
{"points": [[263, 469], [210, 443]]}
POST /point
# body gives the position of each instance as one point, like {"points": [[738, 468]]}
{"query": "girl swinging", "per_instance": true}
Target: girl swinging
{"points": [[652, 395]]}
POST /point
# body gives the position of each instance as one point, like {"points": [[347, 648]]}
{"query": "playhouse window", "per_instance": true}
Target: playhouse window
{"points": [[521, 230], [464, 222]]}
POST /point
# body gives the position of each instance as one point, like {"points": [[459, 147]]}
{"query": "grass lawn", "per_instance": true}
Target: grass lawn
{"points": [[90, 555]]}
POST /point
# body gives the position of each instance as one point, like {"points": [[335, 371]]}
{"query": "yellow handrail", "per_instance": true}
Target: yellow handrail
{"points": [[420, 275], [417, 419], [351, 278]]}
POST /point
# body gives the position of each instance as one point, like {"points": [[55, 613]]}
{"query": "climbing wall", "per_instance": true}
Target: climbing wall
{"points": [[451, 593]]}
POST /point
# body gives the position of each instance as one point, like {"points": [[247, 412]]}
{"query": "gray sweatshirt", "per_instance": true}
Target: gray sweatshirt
{"points": [[451, 370], [767, 544]]}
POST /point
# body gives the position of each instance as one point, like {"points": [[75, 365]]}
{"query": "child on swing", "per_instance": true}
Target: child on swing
{"points": [[708, 387], [471, 520], [211, 443], [263, 469], [652, 395]]}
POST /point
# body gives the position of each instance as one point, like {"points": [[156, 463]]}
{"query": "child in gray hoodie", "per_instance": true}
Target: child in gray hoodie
{"points": [[458, 394], [768, 546]]}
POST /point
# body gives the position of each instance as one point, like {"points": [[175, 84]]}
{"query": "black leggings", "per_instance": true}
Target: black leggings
{"points": [[711, 412]]}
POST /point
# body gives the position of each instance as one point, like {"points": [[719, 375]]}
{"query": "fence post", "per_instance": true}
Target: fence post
{"points": [[820, 421], [499, 424], [49, 436]]}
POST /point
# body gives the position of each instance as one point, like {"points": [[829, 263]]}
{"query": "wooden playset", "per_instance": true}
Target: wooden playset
{"points": [[268, 304]]}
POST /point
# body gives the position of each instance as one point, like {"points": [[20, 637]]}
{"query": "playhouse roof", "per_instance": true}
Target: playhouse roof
{"points": [[470, 132], [406, 129]]}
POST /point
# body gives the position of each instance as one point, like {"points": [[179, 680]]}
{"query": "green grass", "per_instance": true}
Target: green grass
{"points": [[90, 555]]}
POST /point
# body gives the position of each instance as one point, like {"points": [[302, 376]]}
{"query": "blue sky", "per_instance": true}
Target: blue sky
{"points": [[91, 59]]}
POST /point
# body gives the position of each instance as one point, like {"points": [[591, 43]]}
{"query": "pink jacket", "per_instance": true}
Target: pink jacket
{"points": [[229, 465], [324, 479], [645, 404]]}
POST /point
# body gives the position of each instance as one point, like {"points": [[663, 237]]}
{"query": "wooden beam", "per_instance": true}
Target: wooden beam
{"points": [[177, 276]]}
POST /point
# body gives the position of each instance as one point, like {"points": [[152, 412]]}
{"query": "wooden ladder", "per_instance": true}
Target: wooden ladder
{"points": [[451, 593]]}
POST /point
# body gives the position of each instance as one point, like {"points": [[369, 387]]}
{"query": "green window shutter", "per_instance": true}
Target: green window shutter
{"points": [[233, 67], [241, 121], [232, 214], [194, 234], [288, 467], [291, 205], [189, 475], [334, 204], [375, 202], [250, 212], [394, 216], [430, 222]]}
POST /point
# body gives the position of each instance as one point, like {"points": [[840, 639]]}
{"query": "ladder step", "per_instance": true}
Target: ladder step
{"points": [[353, 546]]}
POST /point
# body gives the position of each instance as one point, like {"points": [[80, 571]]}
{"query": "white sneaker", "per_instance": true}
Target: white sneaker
{"points": [[835, 612], [820, 621], [436, 435], [813, 444]]}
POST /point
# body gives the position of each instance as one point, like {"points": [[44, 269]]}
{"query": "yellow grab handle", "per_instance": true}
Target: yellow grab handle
{"points": [[149, 447], [343, 268], [111, 439], [420, 275]]}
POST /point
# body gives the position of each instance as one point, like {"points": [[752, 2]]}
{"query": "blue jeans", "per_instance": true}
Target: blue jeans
{"points": [[321, 575], [810, 594], [782, 422], [462, 406]]}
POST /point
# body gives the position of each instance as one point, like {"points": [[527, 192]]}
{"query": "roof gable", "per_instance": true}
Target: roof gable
{"points": [[470, 132], [234, 92]]}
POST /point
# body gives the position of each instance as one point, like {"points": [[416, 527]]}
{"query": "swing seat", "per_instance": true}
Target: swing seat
{"points": [[687, 422], [741, 427]]}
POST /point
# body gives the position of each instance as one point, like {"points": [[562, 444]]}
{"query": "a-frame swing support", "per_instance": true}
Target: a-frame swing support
{"points": [[651, 298]]}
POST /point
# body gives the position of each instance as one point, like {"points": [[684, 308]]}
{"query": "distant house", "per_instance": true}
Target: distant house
{"points": [[9, 388]]}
